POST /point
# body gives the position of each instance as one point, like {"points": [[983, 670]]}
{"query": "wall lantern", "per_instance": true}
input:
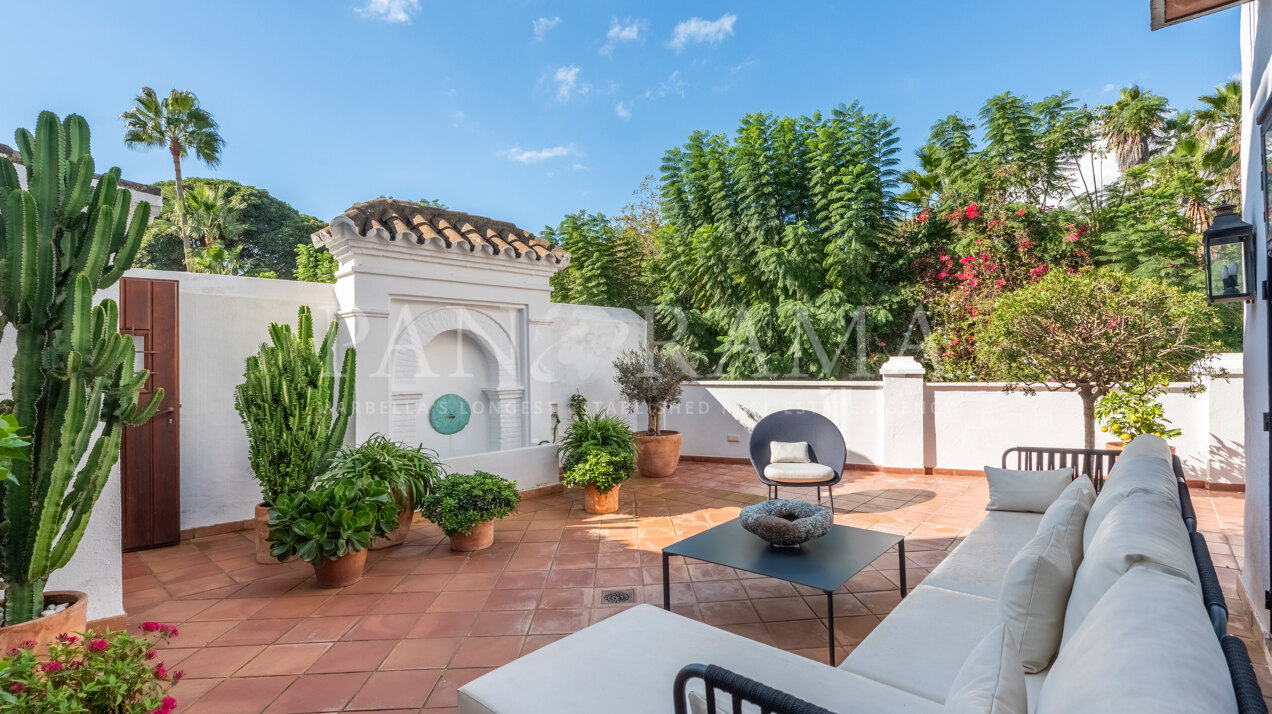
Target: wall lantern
{"points": [[1228, 245]]}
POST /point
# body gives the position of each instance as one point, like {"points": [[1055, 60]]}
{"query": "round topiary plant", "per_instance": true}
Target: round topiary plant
{"points": [[602, 469], [461, 502]]}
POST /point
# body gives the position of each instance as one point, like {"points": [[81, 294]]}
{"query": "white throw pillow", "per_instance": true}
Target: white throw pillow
{"points": [[1030, 491], [1147, 647], [1145, 465], [991, 680], [788, 452], [1069, 514], [1144, 528], [1033, 598]]}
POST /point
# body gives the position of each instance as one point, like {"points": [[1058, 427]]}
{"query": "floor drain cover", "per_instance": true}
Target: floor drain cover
{"points": [[616, 597]]}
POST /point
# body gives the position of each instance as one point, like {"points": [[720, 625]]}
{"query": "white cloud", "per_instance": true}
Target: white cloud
{"points": [[696, 30], [623, 110], [626, 31], [1108, 88], [543, 24], [390, 10], [567, 81], [533, 156], [673, 85], [579, 167]]}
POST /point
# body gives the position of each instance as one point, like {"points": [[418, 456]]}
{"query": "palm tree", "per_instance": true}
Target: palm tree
{"points": [[1132, 124], [179, 123], [1219, 126], [214, 215]]}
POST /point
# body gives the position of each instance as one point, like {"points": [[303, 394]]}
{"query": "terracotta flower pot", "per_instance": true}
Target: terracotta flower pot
{"points": [[600, 503], [480, 537], [262, 536], [397, 536], [339, 572], [45, 630], [657, 456]]}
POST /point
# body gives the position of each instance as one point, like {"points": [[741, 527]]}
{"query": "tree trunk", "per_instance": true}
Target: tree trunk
{"points": [[1088, 417], [185, 220], [655, 419]]}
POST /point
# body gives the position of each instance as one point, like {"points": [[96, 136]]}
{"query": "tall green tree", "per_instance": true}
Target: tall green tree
{"points": [[180, 124], [1133, 123], [604, 262], [213, 215], [1218, 125]]}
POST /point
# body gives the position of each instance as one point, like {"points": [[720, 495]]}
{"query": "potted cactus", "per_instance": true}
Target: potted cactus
{"points": [[74, 389], [285, 402]]}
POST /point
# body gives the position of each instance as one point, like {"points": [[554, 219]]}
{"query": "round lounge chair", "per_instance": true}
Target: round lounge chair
{"points": [[826, 452]]}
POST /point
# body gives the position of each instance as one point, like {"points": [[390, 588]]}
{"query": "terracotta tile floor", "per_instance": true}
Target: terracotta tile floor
{"points": [[425, 620]]}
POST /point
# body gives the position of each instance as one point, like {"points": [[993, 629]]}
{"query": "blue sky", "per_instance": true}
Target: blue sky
{"points": [[526, 110]]}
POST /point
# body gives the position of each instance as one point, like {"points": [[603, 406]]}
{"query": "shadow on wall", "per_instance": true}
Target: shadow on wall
{"points": [[1227, 463]]}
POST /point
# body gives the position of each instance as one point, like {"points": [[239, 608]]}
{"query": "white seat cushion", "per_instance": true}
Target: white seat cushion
{"points": [[1069, 514], [798, 473], [1147, 647], [1035, 592], [1031, 491], [991, 680], [977, 565], [921, 646], [643, 648], [1144, 527], [1145, 465]]}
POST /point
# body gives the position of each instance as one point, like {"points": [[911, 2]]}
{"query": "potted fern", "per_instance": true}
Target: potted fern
{"points": [[652, 378], [598, 454], [332, 525], [410, 472], [285, 401], [466, 506]]}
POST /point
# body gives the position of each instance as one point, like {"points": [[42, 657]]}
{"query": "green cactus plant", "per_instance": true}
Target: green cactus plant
{"points": [[62, 239], [286, 401]]}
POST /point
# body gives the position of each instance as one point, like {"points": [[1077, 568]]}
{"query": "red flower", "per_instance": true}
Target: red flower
{"points": [[67, 638], [178, 675], [1021, 212], [98, 645], [18, 687], [161, 672], [1000, 283], [151, 654], [28, 645], [51, 667], [972, 211], [151, 626]]}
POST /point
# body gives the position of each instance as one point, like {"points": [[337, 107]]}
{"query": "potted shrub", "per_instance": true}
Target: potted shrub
{"points": [[652, 378], [465, 507], [410, 472], [111, 673], [74, 384], [285, 402], [598, 453], [331, 526], [1129, 413]]}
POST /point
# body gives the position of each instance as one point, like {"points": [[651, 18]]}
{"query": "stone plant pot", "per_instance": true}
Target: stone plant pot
{"points": [[479, 538], [657, 456], [397, 536], [600, 503], [340, 572], [44, 630]]}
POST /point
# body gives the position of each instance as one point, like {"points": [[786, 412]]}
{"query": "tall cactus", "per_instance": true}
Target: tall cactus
{"points": [[286, 401], [61, 240]]}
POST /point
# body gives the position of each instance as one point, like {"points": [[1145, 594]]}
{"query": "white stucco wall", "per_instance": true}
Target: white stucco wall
{"points": [[1256, 55]]}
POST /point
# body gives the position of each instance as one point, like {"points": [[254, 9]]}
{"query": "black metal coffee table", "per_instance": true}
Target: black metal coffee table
{"points": [[824, 563]]}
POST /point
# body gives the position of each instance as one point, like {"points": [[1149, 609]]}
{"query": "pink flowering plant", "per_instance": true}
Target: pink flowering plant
{"points": [[90, 673]]}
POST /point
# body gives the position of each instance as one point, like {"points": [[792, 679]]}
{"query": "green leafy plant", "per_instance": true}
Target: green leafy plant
{"points": [[314, 265], [62, 239], [286, 401], [463, 501], [602, 469], [595, 432], [331, 520], [1134, 411], [410, 471], [90, 673], [651, 378], [578, 406]]}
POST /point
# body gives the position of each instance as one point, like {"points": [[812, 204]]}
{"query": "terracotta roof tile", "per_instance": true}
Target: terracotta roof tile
{"points": [[394, 218]]}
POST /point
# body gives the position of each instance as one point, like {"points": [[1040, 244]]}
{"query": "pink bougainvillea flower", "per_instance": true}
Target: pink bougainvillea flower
{"points": [[1000, 282], [942, 274], [1021, 212], [972, 211], [98, 645], [945, 258]]}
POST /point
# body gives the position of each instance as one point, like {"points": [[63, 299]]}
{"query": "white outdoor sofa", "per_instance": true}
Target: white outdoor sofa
{"points": [[1156, 643]]}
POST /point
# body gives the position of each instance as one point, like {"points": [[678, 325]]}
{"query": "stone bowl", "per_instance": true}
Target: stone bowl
{"points": [[787, 523]]}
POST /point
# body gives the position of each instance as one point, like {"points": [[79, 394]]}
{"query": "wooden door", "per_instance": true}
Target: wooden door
{"points": [[151, 452]]}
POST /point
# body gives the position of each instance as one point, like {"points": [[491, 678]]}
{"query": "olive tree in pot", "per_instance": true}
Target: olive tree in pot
{"points": [[652, 378], [332, 525], [466, 506], [410, 471], [74, 387], [285, 402], [598, 453]]}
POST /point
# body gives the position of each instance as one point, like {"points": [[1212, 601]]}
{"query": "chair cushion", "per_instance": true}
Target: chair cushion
{"points": [[991, 680], [1035, 592], [1145, 465], [798, 473], [1031, 491], [1144, 528], [977, 565], [921, 646], [1069, 514], [1146, 647], [788, 452]]}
